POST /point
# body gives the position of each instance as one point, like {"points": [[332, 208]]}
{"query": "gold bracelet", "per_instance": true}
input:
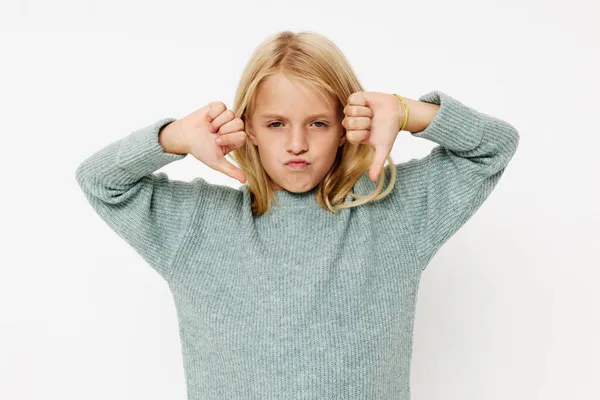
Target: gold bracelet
{"points": [[405, 111]]}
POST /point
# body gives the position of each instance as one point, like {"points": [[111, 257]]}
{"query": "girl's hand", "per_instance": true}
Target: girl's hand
{"points": [[200, 130], [373, 118]]}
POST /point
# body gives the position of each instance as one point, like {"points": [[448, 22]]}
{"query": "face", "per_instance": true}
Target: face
{"points": [[292, 121]]}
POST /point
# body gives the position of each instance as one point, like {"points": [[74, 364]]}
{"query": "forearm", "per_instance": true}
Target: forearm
{"points": [[420, 114]]}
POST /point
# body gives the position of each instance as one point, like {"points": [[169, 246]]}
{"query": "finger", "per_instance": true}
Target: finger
{"points": [[381, 153], [235, 139], [227, 149], [220, 120], [357, 99], [358, 136], [215, 108], [234, 125], [358, 111], [356, 123], [231, 170]]}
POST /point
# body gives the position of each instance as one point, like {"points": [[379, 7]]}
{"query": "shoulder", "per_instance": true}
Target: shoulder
{"points": [[218, 199], [364, 187]]}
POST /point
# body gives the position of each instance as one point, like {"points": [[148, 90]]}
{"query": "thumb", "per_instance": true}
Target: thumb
{"points": [[381, 153], [231, 170]]}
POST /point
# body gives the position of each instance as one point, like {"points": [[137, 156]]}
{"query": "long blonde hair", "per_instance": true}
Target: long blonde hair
{"points": [[312, 58]]}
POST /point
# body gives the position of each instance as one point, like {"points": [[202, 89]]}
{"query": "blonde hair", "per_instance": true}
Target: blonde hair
{"points": [[311, 58]]}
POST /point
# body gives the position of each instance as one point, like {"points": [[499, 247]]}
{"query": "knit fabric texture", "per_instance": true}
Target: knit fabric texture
{"points": [[299, 303]]}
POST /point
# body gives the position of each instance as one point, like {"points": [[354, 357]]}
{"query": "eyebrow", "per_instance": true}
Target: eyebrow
{"points": [[278, 116]]}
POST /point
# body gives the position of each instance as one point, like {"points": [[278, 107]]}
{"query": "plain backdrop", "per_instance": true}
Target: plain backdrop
{"points": [[508, 307]]}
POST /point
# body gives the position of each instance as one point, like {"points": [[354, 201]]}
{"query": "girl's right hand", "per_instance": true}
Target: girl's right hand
{"points": [[201, 128]]}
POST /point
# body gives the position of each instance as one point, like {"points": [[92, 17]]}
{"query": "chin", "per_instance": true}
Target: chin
{"points": [[300, 188]]}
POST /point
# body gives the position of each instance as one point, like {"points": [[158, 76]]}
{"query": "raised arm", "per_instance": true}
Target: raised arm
{"points": [[148, 210], [442, 190]]}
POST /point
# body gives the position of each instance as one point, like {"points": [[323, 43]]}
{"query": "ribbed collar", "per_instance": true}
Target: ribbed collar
{"points": [[307, 200], [289, 199]]}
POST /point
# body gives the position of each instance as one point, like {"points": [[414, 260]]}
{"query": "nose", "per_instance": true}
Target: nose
{"points": [[297, 141]]}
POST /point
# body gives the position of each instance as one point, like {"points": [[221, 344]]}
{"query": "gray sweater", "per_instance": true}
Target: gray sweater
{"points": [[298, 303]]}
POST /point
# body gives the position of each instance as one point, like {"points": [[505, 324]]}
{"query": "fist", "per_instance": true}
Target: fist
{"points": [[373, 118], [210, 133]]}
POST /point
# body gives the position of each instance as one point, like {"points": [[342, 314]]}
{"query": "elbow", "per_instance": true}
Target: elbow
{"points": [[510, 141], [505, 138], [80, 176], [498, 148]]}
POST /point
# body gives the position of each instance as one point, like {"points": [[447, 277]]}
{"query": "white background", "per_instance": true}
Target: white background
{"points": [[507, 309]]}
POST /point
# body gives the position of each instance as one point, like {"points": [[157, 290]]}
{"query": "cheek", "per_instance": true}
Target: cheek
{"points": [[268, 154], [329, 147]]}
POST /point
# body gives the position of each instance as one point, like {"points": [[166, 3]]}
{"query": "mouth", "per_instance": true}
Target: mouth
{"points": [[297, 165]]}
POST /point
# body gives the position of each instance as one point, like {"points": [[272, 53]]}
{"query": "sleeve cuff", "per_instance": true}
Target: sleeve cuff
{"points": [[455, 126], [140, 152]]}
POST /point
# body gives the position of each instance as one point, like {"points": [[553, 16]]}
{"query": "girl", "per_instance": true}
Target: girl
{"points": [[302, 283]]}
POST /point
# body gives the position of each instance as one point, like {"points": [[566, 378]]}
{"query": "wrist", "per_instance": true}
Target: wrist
{"points": [[420, 115], [402, 113], [170, 137]]}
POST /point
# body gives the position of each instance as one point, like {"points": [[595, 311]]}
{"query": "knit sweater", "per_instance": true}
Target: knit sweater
{"points": [[298, 303]]}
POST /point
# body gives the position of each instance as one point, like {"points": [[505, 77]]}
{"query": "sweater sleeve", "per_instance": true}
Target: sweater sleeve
{"points": [[444, 189], [148, 210]]}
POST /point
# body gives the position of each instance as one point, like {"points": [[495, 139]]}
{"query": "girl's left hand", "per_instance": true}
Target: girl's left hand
{"points": [[373, 118]]}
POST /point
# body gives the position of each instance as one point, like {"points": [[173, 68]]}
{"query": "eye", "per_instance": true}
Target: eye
{"points": [[271, 124], [324, 125]]}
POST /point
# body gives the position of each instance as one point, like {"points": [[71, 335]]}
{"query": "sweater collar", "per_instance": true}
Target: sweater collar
{"points": [[286, 199], [308, 199]]}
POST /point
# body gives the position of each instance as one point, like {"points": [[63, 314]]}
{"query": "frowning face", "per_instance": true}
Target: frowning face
{"points": [[292, 121]]}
